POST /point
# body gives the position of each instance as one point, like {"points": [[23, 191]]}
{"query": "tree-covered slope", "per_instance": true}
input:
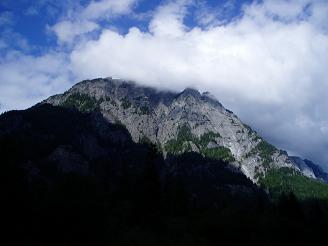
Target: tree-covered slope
{"points": [[285, 180]]}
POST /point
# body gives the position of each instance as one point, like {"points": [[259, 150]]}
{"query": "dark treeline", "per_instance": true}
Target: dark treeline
{"points": [[70, 179]]}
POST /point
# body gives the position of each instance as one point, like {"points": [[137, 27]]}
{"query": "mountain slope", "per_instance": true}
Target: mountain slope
{"points": [[179, 122], [310, 169], [73, 178], [50, 142], [118, 164]]}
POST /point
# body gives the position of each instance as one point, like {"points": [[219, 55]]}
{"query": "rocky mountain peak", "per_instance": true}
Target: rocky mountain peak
{"points": [[190, 92], [178, 123], [89, 155]]}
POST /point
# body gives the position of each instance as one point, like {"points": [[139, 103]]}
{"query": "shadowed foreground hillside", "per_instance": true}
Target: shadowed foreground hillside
{"points": [[72, 178]]}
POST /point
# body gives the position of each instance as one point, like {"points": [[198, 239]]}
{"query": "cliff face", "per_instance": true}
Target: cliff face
{"points": [[178, 122]]}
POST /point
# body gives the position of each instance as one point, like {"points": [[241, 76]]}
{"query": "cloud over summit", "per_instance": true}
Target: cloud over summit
{"points": [[268, 62]]}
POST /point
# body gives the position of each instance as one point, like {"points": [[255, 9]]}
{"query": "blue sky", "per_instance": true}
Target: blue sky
{"points": [[265, 60]]}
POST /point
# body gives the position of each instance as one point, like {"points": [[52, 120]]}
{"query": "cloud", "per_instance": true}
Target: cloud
{"points": [[66, 31], [80, 21], [269, 65], [26, 80], [168, 19], [12, 39], [107, 8], [212, 55], [9, 37], [209, 16], [280, 9]]}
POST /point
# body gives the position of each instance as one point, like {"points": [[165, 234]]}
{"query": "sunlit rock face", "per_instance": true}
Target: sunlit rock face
{"points": [[180, 122]]}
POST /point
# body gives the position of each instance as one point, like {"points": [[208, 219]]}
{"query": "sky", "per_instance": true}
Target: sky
{"points": [[267, 61]]}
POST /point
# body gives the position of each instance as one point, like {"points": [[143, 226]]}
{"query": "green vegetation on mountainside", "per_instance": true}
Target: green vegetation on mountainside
{"points": [[82, 102], [286, 180], [265, 151], [185, 138]]}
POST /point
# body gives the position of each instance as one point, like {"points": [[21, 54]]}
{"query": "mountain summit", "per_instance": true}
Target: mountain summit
{"points": [[182, 122], [110, 162]]}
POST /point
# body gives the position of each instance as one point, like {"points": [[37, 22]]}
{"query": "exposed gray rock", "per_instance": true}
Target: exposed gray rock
{"points": [[159, 115], [306, 170]]}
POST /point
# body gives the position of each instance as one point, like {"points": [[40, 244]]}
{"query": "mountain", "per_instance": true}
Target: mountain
{"points": [[180, 122], [304, 167], [310, 169], [110, 162], [73, 178], [50, 142]]}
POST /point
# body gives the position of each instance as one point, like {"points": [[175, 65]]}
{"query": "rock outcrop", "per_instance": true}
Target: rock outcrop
{"points": [[179, 122]]}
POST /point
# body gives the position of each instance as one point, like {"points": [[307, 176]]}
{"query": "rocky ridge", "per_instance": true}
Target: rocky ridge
{"points": [[180, 122]]}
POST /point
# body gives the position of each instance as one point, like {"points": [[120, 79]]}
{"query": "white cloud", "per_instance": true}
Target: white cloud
{"points": [[26, 80], [66, 31], [106, 8], [80, 21], [168, 20], [285, 10], [269, 66], [266, 57]]}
